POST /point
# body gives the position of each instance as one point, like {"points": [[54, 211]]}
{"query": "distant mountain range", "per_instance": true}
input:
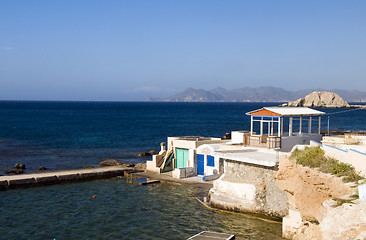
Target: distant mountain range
{"points": [[247, 94]]}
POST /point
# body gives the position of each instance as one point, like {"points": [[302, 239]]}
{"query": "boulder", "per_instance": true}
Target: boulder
{"points": [[18, 168], [127, 164], [141, 166], [109, 162], [154, 152], [144, 154], [319, 99], [41, 168]]}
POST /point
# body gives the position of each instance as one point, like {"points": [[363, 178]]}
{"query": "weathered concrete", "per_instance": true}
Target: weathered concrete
{"points": [[46, 180], [3, 184], [249, 188], [183, 172], [26, 180]]}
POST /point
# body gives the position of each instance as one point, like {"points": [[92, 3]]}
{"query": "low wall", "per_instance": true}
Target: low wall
{"points": [[287, 143], [347, 139], [249, 188], [353, 157]]}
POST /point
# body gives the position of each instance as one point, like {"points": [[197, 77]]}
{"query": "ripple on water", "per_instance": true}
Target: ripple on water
{"points": [[119, 211]]}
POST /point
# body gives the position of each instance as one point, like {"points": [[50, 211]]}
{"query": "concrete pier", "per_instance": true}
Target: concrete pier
{"points": [[44, 178]]}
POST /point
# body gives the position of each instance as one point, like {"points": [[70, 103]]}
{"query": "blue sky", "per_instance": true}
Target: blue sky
{"points": [[129, 50]]}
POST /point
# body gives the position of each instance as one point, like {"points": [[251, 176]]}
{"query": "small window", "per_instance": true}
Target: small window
{"points": [[210, 161]]}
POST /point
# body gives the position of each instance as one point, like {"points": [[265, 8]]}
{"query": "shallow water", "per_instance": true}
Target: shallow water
{"points": [[119, 211]]}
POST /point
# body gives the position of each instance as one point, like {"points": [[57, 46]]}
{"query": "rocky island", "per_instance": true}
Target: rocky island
{"points": [[319, 99]]}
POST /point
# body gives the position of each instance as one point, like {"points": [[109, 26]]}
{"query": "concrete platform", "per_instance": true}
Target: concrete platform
{"points": [[44, 178], [205, 235], [143, 181], [262, 157]]}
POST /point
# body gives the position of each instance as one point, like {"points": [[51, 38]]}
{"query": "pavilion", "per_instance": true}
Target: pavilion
{"points": [[271, 125]]}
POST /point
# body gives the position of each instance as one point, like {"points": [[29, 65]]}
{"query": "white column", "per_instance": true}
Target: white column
{"points": [[261, 131], [251, 125], [272, 127], [290, 127], [320, 120], [300, 130], [310, 120], [279, 127]]}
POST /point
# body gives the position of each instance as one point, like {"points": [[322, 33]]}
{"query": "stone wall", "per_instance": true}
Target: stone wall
{"points": [[249, 188]]}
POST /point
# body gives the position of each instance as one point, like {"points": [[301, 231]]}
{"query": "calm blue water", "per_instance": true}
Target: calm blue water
{"points": [[65, 135]]}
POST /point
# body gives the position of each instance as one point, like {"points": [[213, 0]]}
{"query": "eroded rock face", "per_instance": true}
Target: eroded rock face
{"points": [[319, 99], [347, 221], [307, 189]]}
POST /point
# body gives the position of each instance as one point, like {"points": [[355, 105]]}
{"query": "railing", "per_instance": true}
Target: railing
{"points": [[262, 141]]}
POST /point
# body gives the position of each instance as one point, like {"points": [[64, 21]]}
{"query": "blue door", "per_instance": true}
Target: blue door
{"points": [[200, 164], [210, 161]]}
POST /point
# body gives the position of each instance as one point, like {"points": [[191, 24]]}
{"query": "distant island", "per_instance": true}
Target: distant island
{"points": [[248, 94]]}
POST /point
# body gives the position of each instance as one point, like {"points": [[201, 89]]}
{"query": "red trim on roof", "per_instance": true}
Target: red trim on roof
{"points": [[264, 112]]}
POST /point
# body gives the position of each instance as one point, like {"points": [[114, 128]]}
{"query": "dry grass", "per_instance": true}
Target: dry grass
{"points": [[314, 157]]}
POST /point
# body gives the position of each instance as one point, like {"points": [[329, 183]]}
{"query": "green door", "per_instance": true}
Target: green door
{"points": [[182, 157]]}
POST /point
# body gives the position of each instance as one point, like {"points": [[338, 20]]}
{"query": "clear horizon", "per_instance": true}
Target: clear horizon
{"points": [[131, 50]]}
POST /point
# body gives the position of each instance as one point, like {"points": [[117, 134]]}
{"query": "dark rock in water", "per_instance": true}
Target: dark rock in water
{"points": [[41, 168], [18, 168], [14, 171], [109, 162], [88, 167], [144, 154], [153, 152]]}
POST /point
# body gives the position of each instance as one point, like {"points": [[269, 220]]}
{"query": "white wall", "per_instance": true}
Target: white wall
{"points": [[356, 159]]}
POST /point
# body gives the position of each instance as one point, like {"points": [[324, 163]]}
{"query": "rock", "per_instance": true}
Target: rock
{"points": [[18, 168], [154, 152], [14, 171], [41, 168], [144, 154], [347, 221], [319, 99], [127, 164], [89, 167], [141, 166], [109, 162]]}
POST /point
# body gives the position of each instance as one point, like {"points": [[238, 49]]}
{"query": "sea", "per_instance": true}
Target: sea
{"points": [[68, 135]]}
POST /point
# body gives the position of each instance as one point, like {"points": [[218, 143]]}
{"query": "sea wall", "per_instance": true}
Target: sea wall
{"points": [[249, 188], [46, 178]]}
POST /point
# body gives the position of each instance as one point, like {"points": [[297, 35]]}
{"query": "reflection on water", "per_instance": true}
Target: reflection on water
{"points": [[119, 211]]}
